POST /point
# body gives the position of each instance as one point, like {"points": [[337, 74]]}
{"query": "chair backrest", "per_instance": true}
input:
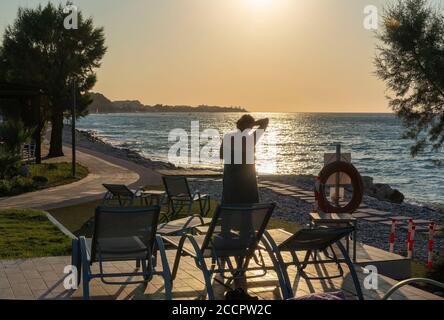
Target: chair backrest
{"points": [[236, 231], [314, 239], [176, 187], [119, 190], [124, 233]]}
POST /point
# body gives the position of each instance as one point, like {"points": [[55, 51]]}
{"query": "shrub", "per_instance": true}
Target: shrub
{"points": [[5, 188], [21, 185], [40, 179], [52, 166], [9, 164], [14, 134]]}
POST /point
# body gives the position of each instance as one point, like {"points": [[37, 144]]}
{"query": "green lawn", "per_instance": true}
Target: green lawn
{"points": [[42, 176], [58, 173], [28, 234]]}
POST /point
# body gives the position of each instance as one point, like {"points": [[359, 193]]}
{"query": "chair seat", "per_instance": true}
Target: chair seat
{"points": [[181, 225], [120, 249], [308, 239]]}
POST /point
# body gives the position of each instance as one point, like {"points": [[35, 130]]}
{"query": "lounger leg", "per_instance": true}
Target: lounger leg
{"points": [[76, 259], [279, 266], [166, 273], [85, 267], [200, 261], [352, 269], [178, 256], [147, 275]]}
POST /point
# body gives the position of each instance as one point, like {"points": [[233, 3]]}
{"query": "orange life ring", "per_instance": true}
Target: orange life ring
{"points": [[356, 182]]}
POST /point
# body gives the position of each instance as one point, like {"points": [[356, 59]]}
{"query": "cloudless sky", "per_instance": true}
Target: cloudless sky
{"points": [[265, 55]]}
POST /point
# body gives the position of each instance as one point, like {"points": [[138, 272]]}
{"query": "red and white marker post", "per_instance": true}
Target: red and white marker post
{"points": [[432, 228], [392, 236], [411, 241], [409, 234]]}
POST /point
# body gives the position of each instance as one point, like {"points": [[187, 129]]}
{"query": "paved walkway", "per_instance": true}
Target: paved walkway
{"points": [[102, 169], [43, 278]]}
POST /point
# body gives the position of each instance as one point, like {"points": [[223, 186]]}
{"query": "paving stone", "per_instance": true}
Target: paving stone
{"points": [[419, 229], [422, 221], [31, 274], [359, 215], [21, 291], [4, 283], [374, 212], [16, 278], [286, 192], [43, 267], [37, 284], [6, 293], [375, 219], [401, 219]]}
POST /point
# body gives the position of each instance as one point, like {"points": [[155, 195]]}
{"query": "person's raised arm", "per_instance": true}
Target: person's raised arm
{"points": [[262, 126], [262, 123]]}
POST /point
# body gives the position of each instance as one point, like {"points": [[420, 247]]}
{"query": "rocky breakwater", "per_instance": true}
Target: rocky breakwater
{"points": [[90, 140], [382, 191]]}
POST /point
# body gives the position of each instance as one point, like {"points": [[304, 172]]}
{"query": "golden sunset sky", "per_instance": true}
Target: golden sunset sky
{"points": [[265, 55]]}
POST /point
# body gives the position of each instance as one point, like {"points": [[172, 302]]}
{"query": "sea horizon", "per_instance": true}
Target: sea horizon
{"points": [[374, 139]]}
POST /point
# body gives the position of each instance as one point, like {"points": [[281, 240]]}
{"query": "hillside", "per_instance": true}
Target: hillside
{"points": [[102, 104]]}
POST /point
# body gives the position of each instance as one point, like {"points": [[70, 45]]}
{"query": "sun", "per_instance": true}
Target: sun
{"points": [[261, 3]]}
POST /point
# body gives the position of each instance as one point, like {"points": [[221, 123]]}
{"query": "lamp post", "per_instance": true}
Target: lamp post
{"points": [[73, 128]]}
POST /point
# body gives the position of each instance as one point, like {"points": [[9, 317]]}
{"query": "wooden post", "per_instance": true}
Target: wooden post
{"points": [[36, 107], [338, 175], [73, 128]]}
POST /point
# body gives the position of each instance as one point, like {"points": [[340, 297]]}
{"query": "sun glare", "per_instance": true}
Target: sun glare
{"points": [[261, 3]]}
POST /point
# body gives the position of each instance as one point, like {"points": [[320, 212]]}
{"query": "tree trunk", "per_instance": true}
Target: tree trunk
{"points": [[38, 144], [56, 144]]}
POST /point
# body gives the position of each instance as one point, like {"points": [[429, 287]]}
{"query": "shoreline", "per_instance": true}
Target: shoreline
{"points": [[290, 209]]}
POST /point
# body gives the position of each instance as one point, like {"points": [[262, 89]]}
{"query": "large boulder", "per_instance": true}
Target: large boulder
{"points": [[396, 196], [382, 191], [368, 182]]}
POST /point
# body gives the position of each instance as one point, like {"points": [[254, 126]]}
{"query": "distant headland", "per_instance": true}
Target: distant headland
{"points": [[101, 104]]}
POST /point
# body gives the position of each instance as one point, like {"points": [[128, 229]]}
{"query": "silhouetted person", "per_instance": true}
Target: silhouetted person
{"points": [[238, 152]]}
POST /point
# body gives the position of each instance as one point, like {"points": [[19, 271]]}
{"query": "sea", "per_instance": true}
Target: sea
{"points": [[295, 143]]}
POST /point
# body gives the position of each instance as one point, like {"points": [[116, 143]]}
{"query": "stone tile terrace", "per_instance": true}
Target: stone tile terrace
{"points": [[42, 278]]}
